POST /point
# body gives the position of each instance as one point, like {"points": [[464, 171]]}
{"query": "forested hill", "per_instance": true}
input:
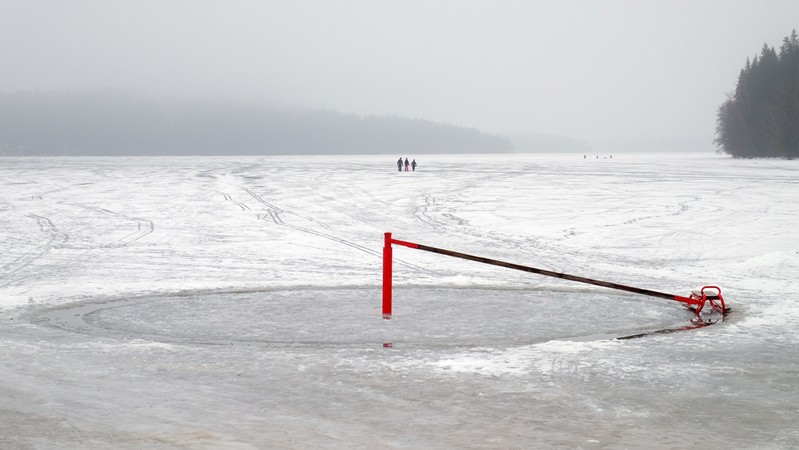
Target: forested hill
{"points": [[761, 118], [110, 122]]}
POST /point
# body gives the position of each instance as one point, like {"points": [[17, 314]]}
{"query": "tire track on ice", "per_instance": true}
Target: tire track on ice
{"points": [[143, 226], [59, 239], [430, 213], [55, 238], [235, 202], [273, 213]]}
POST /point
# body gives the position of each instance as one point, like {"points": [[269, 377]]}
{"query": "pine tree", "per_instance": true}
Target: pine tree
{"points": [[789, 75], [761, 119]]}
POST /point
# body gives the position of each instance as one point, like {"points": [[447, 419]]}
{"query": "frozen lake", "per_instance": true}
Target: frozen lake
{"points": [[235, 303]]}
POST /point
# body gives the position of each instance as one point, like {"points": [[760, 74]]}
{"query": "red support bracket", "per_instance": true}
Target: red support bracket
{"points": [[699, 299], [405, 243]]}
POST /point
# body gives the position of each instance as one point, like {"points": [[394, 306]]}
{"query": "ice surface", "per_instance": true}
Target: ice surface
{"points": [[235, 303]]}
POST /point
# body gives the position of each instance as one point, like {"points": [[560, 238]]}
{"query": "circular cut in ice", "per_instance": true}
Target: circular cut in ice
{"points": [[353, 316]]}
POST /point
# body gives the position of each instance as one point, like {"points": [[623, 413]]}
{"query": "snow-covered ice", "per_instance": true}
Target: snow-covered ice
{"points": [[235, 303]]}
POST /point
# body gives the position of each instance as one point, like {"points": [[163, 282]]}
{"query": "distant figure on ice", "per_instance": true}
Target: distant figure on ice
{"points": [[399, 164], [413, 165], [407, 164]]}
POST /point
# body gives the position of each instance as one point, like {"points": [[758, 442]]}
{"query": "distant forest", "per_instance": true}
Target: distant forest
{"points": [[761, 119], [112, 122]]}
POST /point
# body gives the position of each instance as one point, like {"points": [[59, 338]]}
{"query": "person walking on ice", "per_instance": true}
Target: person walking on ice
{"points": [[413, 165], [399, 164], [407, 164]]}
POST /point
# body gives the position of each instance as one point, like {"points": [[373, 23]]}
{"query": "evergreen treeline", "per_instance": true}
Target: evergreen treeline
{"points": [[110, 122], [761, 119]]}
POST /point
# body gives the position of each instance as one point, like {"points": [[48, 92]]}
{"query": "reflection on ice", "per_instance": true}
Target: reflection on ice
{"points": [[427, 317]]}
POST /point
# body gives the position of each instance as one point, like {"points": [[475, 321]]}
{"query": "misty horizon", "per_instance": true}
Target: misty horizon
{"points": [[116, 122], [605, 76]]}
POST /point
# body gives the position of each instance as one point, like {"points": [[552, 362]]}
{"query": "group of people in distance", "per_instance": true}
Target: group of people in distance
{"points": [[407, 164]]}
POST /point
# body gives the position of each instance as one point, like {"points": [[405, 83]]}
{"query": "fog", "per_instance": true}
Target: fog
{"points": [[612, 74], [115, 123]]}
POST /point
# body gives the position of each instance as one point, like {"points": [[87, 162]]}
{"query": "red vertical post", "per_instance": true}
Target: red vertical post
{"points": [[387, 258]]}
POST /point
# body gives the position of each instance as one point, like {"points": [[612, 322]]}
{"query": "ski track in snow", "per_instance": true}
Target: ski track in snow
{"points": [[235, 303]]}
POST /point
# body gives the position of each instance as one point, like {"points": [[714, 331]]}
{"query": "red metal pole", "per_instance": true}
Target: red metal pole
{"points": [[387, 258]]}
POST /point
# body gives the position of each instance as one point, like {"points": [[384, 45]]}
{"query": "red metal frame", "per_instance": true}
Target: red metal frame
{"points": [[695, 302], [708, 294]]}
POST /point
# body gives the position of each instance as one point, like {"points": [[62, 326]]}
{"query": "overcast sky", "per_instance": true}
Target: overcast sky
{"points": [[591, 70]]}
